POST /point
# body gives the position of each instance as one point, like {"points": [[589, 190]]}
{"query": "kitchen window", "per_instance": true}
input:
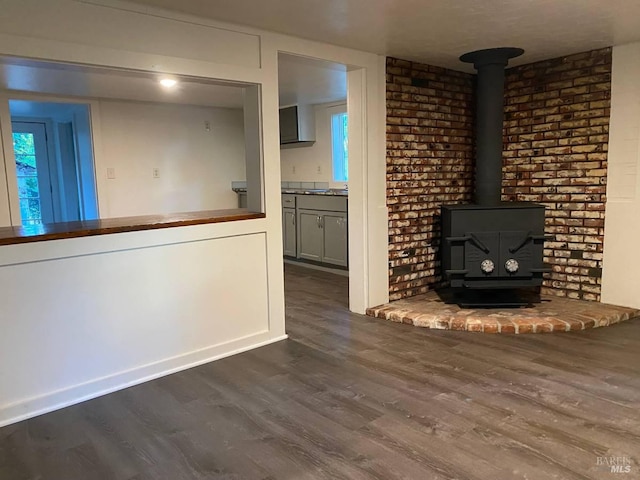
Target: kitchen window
{"points": [[339, 147]]}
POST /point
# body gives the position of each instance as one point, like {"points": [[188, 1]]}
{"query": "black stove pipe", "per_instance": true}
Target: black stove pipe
{"points": [[490, 64]]}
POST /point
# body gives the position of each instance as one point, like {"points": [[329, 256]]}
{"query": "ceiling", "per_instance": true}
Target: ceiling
{"points": [[435, 31], [88, 82], [302, 81], [306, 81]]}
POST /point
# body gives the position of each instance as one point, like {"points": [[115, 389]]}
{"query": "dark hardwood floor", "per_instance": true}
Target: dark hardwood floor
{"points": [[351, 397]]}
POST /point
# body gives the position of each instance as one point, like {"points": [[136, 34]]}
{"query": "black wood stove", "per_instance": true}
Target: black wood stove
{"points": [[491, 245]]}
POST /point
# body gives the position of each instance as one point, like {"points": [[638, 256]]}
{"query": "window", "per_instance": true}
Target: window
{"points": [[24, 146], [340, 142]]}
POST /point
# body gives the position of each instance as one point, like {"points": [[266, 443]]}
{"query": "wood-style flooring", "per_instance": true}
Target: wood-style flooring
{"points": [[352, 397]]}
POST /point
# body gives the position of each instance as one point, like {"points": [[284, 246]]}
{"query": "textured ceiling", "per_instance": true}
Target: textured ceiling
{"points": [[435, 31]]}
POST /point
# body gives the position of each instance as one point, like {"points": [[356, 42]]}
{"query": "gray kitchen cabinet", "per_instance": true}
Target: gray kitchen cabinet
{"points": [[334, 231], [310, 238], [288, 200], [314, 227], [289, 243], [325, 203], [322, 236]]}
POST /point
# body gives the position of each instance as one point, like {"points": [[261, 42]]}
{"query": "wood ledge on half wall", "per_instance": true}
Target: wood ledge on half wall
{"points": [[88, 228]]}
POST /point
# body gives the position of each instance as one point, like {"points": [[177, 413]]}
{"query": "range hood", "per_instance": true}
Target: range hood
{"points": [[297, 126]]}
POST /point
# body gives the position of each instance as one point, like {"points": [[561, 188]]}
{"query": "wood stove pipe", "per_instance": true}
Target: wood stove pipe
{"points": [[490, 64]]}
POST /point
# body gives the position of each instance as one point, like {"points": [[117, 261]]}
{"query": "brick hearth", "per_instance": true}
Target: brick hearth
{"points": [[552, 314]]}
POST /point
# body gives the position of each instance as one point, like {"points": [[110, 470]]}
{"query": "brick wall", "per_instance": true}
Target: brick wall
{"points": [[429, 162], [556, 134]]}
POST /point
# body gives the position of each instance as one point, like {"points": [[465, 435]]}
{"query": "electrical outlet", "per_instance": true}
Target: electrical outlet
{"points": [[207, 125], [319, 169], [293, 169], [156, 173], [111, 173]]}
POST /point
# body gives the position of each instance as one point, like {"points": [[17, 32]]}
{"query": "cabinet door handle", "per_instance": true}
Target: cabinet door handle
{"points": [[318, 221]]}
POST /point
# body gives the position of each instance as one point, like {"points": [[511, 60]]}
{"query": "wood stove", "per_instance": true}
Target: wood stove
{"points": [[491, 244]]}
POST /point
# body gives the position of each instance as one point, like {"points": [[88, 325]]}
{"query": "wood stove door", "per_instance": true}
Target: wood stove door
{"points": [[479, 247], [516, 254]]}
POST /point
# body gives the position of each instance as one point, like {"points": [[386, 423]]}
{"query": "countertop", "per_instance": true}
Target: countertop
{"points": [[335, 192], [58, 231]]}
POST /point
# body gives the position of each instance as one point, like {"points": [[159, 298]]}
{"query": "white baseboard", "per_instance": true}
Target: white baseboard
{"points": [[65, 397]]}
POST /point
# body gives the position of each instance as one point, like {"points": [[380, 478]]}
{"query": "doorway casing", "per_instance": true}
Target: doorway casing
{"points": [[368, 245]]}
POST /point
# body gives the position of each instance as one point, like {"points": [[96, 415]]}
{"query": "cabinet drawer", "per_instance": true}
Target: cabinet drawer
{"points": [[288, 201], [319, 202]]}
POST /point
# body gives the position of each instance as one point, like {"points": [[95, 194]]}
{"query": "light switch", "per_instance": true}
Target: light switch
{"points": [[111, 173]]}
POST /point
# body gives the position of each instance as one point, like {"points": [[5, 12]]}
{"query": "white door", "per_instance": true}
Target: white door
{"points": [[33, 173]]}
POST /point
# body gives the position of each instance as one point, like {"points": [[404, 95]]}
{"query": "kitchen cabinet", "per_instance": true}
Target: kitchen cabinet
{"points": [[321, 202], [289, 233], [322, 236], [288, 200], [323, 229], [334, 235], [310, 244], [289, 243]]}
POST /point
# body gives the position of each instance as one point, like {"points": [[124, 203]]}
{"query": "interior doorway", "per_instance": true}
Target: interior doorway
{"points": [[54, 161], [314, 169]]}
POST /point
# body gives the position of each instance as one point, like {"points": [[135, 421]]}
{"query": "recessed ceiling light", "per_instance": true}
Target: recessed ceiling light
{"points": [[168, 82]]}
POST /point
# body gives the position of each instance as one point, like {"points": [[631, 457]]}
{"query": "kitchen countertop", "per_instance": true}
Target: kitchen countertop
{"points": [[335, 192]]}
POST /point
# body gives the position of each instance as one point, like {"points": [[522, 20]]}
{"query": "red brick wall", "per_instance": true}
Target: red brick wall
{"points": [[429, 162], [556, 134]]}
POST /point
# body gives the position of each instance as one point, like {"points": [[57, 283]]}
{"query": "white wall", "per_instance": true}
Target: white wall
{"points": [[76, 324], [302, 164], [196, 165], [620, 284]]}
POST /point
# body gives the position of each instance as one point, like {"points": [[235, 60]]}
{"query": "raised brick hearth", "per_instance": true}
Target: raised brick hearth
{"points": [[552, 314]]}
